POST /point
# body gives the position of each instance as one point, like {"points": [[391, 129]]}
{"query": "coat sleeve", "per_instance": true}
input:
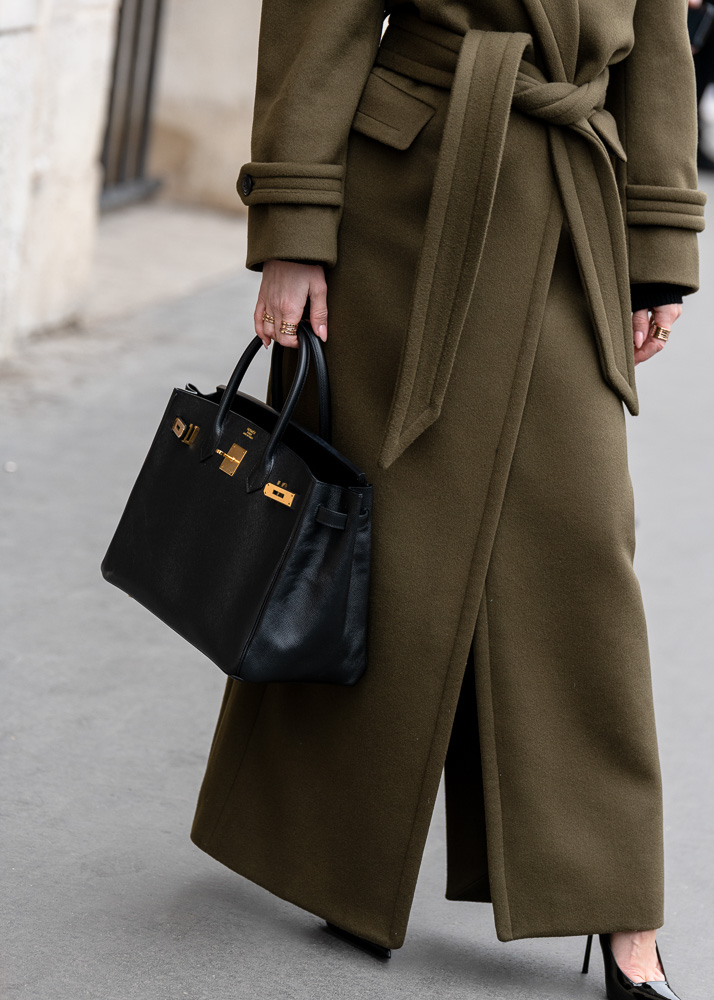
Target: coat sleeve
{"points": [[656, 110], [314, 58]]}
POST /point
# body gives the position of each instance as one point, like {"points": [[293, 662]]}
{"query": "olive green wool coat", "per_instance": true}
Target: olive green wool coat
{"points": [[483, 183]]}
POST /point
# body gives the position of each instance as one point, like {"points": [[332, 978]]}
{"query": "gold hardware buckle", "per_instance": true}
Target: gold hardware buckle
{"points": [[179, 426], [279, 494], [231, 458]]}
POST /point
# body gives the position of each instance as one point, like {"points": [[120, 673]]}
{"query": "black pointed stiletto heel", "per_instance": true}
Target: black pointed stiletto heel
{"points": [[621, 987], [378, 950]]}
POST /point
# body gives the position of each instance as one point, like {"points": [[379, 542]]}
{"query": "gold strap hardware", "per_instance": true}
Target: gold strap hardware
{"points": [[231, 458], [179, 426], [279, 494]]}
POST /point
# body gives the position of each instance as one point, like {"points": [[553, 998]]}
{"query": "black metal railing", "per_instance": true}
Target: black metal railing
{"points": [[126, 138]]}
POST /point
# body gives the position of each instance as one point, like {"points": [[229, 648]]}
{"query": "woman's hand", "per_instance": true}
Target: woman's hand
{"points": [[283, 293], [642, 329]]}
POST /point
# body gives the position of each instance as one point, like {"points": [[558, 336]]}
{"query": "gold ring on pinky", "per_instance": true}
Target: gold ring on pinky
{"points": [[661, 332], [289, 328], [267, 318]]}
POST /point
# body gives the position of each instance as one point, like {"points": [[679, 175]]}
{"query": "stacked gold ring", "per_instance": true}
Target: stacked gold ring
{"points": [[661, 332], [289, 328], [267, 318]]}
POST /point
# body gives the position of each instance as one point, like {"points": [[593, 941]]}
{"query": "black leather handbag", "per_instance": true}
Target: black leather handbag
{"points": [[250, 535]]}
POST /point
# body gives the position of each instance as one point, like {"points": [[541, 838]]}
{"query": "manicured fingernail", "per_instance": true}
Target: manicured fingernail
{"points": [[322, 331]]}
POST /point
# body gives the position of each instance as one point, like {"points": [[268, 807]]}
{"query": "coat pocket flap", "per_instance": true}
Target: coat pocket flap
{"points": [[389, 114]]}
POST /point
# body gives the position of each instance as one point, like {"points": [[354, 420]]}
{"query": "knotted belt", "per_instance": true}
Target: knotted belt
{"points": [[488, 74]]}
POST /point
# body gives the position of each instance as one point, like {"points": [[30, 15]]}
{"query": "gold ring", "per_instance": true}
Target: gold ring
{"points": [[661, 332], [289, 328], [267, 318]]}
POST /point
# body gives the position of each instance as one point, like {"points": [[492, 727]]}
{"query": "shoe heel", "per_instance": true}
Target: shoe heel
{"points": [[586, 960]]}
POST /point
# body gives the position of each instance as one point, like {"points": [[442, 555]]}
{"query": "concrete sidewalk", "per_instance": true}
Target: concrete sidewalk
{"points": [[107, 715]]}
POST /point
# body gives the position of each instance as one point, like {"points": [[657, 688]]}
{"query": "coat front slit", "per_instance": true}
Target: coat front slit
{"points": [[507, 641]]}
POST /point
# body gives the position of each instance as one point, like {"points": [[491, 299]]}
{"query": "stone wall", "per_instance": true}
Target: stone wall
{"points": [[55, 62], [55, 70], [204, 100]]}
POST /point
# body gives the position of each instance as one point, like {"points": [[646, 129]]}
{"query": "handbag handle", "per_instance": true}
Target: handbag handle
{"points": [[323, 384], [258, 476]]}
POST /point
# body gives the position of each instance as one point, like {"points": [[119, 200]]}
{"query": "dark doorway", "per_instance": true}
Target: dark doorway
{"points": [[129, 116]]}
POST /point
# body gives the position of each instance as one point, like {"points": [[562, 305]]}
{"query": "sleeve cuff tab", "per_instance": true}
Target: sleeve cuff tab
{"points": [[652, 205], [290, 183]]}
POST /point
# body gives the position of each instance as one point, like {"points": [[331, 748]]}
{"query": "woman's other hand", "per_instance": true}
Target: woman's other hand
{"points": [[642, 329], [283, 293]]}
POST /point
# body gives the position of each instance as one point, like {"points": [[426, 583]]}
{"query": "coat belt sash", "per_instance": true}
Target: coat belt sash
{"points": [[488, 74]]}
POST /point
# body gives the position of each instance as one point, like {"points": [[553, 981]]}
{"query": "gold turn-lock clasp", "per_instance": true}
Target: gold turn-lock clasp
{"points": [[187, 435], [279, 493], [231, 458]]}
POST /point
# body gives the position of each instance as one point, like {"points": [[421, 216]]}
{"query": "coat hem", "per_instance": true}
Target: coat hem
{"points": [[563, 930], [385, 940]]}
